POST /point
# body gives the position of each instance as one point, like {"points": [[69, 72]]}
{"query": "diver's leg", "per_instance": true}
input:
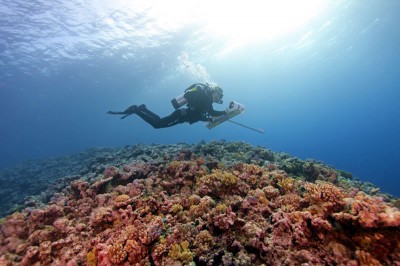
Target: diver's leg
{"points": [[130, 110], [155, 121], [143, 109], [148, 116], [177, 117]]}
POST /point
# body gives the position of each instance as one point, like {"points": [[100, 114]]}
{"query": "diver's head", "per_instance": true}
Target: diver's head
{"points": [[217, 93]]}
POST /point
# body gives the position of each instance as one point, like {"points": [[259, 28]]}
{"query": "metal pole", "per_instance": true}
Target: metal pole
{"points": [[260, 130]]}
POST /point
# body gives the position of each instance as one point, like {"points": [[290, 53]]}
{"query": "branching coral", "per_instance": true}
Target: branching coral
{"points": [[324, 196], [117, 253]]}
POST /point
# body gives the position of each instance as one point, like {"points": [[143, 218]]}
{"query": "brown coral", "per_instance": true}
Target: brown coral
{"points": [[203, 242]]}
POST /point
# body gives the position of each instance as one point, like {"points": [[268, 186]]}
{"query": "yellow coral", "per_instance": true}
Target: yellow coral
{"points": [[203, 241], [122, 198], [176, 208], [175, 251], [195, 210], [204, 206], [186, 255], [221, 208], [194, 199], [174, 166], [181, 252], [287, 185], [223, 177], [91, 258], [162, 240], [228, 179]]}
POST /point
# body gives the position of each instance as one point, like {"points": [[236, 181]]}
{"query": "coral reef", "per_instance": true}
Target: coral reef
{"points": [[194, 208], [33, 183]]}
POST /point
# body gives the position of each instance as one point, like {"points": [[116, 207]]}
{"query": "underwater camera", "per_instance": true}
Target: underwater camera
{"points": [[236, 106]]}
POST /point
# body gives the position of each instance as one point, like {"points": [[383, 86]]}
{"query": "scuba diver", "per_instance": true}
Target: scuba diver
{"points": [[199, 99]]}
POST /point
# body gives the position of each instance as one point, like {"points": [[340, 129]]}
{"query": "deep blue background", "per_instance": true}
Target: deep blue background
{"points": [[334, 97]]}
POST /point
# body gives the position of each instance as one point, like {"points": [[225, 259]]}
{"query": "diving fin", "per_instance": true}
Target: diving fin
{"points": [[131, 110], [115, 113]]}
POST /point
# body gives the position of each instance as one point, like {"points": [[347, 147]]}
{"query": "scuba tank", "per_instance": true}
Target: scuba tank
{"points": [[179, 101]]}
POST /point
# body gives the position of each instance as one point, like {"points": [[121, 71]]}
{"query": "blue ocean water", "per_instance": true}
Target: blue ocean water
{"points": [[320, 77]]}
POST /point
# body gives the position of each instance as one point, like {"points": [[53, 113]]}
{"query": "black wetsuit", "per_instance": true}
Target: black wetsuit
{"points": [[199, 108]]}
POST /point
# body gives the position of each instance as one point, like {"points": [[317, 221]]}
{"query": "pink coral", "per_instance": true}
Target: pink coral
{"points": [[14, 225], [282, 234], [100, 216], [30, 255], [222, 217], [61, 225], [369, 212], [252, 233], [80, 187]]}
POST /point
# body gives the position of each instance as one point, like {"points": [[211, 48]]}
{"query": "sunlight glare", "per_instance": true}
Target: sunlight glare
{"points": [[253, 20], [237, 22]]}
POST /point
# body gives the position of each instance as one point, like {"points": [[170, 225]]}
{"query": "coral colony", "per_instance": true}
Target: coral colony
{"points": [[198, 207]]}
